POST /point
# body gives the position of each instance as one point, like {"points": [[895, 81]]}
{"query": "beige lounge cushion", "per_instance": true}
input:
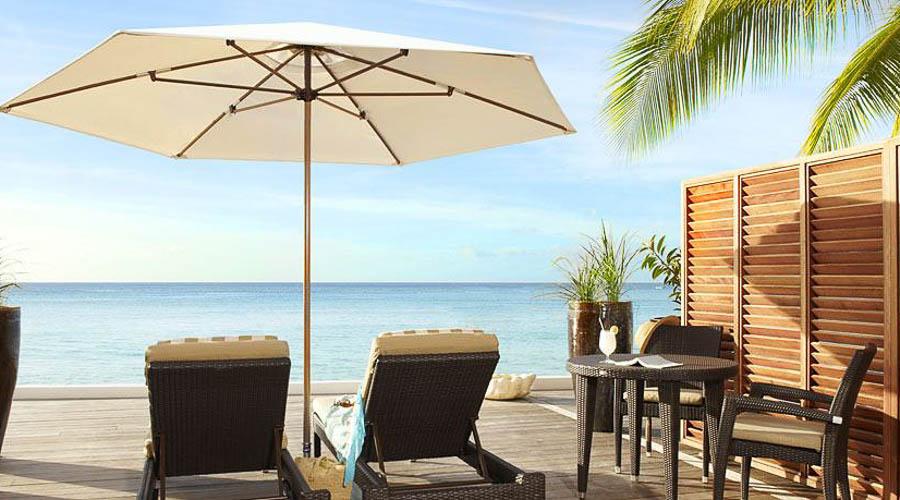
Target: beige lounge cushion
{"points": [[689, 397], [218, 349], [783, 431], [435, 341]]}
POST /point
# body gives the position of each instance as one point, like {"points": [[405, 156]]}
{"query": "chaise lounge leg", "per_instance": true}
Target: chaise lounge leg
{"points": [[317, 446], [745, 478]]}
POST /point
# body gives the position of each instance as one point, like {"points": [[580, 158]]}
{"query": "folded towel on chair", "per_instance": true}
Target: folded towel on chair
{"points": [[345, 427]]}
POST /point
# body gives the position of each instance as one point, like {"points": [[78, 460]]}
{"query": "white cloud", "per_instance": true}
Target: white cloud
{"points": [[537, 15]]}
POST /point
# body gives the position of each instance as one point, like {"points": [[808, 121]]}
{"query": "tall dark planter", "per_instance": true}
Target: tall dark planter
{"points": [[619, 314], [9, 363], [584, 330]]}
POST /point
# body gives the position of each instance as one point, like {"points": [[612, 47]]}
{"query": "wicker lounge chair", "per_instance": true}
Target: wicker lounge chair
{"points": [[758, 426], [670, 339], [217, 406], [423, 391]]}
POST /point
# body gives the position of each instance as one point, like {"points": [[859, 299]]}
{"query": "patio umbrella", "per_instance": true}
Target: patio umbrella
{"points": [[296, 92]]}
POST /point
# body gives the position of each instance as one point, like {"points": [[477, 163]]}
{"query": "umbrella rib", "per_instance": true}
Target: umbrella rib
{"points": [[360, 116], [276, 72], [220, 85], [233, 107], [402, 53], [461, 91], [121, 79], [355, 103], [448, 93]]}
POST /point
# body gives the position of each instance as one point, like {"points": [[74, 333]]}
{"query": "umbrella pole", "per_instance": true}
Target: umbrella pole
{"points": [[307, 282]]}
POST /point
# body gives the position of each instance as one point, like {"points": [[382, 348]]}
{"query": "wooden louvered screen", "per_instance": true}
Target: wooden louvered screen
{"points": [[798, 261], [847, 297], [771, 338], [709, 242]]}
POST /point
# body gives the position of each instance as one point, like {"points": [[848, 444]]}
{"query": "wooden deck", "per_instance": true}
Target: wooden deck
{"points": [[92, 449]]}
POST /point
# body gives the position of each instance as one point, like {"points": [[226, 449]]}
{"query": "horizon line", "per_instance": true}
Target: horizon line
{"points": [[315, 282]]}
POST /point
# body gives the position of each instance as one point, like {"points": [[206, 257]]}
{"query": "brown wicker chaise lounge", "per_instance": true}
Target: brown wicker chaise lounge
{"points": [[423, 391], [749, 429], [669, 339], [217, 406]]}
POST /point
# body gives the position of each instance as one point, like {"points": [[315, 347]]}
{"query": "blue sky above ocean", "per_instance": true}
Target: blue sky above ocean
{"points": [[75, 208]]}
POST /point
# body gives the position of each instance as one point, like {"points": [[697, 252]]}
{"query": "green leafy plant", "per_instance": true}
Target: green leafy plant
{"points": [[582, 282], [614, 259], [7, 279], [688, 55], [663, 262]]}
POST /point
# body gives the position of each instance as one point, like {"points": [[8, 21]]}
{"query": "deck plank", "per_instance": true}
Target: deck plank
{"points": [[91, 449]]}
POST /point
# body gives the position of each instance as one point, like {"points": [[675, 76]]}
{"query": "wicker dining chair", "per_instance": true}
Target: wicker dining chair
{"points": [[423, 391], [217, 406], [670, 339], [760, 426]]}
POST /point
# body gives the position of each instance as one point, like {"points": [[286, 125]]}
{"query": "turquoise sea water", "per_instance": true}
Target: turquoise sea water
{"points": [[96, 333]]}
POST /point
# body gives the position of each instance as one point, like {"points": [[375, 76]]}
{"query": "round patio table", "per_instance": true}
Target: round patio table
{"points": [[711, 372]]}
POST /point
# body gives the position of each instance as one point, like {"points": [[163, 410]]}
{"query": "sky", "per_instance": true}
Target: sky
{"points": [[77, 208]]}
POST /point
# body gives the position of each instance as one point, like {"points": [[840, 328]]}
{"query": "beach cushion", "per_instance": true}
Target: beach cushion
{"points": [[436, 341], [218, 349], [689, 397], [782, 431]]}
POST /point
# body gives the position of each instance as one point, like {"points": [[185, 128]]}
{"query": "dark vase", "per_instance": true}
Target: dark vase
{"points": [[9, 362], [612, 314], [584, 330]]}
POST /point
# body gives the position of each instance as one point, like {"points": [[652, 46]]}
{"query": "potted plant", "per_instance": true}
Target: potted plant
{"points": [[614, 258], [9, 345], [661, 262], [581, 292]]}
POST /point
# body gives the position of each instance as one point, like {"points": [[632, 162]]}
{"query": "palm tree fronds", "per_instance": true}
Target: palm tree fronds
{"points": [[866, 92], [689, 54]]}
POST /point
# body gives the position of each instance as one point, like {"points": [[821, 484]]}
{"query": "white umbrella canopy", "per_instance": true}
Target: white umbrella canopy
{"points": [[297, 92], [498, 97]]}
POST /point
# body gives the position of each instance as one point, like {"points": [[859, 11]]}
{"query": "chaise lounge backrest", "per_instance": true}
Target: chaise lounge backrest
{"points": [[423, 391], [217, 405]]}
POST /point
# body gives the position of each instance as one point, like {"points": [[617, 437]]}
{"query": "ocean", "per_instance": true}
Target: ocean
{"points": [[96, 333]]}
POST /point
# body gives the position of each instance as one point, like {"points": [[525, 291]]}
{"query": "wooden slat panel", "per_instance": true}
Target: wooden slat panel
{"points": [[847, 285], [771, 274]]}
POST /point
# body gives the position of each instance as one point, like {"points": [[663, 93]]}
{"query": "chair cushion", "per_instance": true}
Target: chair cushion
{"points": [[218, 349], [777, 430], [437, 341], [689, 397]]}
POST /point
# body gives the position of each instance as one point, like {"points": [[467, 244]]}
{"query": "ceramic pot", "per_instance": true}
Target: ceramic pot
{"points": [[584, 330], [9, 362]]}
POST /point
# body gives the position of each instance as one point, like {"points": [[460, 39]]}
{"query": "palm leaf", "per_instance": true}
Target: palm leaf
{"points": [[866, 92], [689, 54]]}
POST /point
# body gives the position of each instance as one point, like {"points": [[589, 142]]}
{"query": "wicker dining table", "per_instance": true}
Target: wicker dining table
{"points": [[710, 372]]}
